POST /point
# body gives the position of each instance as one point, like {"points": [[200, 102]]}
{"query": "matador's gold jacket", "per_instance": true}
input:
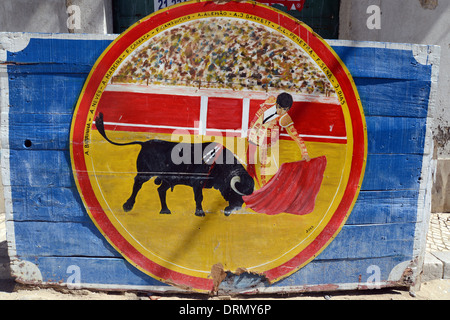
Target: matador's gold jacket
{"points": [[265, 127]]}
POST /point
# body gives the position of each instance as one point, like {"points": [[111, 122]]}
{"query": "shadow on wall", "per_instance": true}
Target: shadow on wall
{"points": [[441, 188], [429, 4], [7, 283]]}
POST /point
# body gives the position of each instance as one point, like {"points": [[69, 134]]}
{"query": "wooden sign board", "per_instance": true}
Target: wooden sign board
{"points": [[175, 157]]}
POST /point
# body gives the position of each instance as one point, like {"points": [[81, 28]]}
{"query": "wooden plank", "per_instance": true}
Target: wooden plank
{"points": [[45, 93], [376, 94], [64, 88], [387, 135], [81, 50], [385, 63], [34, 131], [53, 204], [339, 273], [102, 272], [53, 68], [393, 97], [50, 168], [392, 172], [46, 168], [377, 62], [37, 239], [42, 168], [396, 135], [356, 273], [371, 241], [379, 207]]}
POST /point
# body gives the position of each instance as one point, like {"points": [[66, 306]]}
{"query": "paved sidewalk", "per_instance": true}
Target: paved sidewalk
{"points": [[438, 238], [437, 257]]}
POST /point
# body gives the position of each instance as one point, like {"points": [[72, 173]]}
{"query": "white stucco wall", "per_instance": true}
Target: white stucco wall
{"points": [[51, 16]]}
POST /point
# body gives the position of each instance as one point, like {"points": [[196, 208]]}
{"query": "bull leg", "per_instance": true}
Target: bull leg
{"points": [[162, 191], [139, 180], [198, 195]]}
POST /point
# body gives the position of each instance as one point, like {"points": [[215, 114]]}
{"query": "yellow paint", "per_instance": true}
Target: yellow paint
{"points": [[189, 244]]}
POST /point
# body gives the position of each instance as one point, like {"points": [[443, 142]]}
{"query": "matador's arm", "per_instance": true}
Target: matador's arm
{"points": [[287, 123]]}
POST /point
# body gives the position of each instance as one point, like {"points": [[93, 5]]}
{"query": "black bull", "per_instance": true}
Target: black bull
{"points": [[194, 165]]}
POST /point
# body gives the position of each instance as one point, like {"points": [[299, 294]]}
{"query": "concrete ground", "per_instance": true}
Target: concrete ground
{"points": [[435, 283]]}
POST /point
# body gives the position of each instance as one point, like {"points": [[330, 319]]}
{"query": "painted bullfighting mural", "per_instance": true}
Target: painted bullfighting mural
{"points": [[218, 135]]}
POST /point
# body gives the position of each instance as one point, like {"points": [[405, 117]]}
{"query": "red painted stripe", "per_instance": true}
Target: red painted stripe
{"points": [[318, 119], [216, 133], [310, 118], [150, 109], [321, 140], [174, 131], [224, 113]]}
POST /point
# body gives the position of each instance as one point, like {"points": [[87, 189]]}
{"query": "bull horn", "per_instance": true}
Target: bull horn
{"points": [[234, 180]]}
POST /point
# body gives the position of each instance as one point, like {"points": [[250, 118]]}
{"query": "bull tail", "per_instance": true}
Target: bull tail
{"points": [[101, 129]]}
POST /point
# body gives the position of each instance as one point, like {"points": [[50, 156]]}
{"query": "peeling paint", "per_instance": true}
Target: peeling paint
{"points": [[182, 287], [429, 4], [225, 282], [442, 136], [242, 280], [25, 271], [407, 278], [218, 275]]}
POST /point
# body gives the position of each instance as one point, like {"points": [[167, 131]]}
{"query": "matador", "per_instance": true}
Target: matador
{"points": [[264, 133]]}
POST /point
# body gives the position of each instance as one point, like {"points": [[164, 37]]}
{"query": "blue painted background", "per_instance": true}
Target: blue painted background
{"points": [[53, 230]]}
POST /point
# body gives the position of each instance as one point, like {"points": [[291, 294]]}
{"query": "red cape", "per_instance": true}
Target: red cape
{"points": [[293, 189]]}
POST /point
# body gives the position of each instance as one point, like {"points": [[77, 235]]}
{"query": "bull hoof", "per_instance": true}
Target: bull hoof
{"points": [[199, 213], [165, 211], [128, 206], [229, 210]]}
